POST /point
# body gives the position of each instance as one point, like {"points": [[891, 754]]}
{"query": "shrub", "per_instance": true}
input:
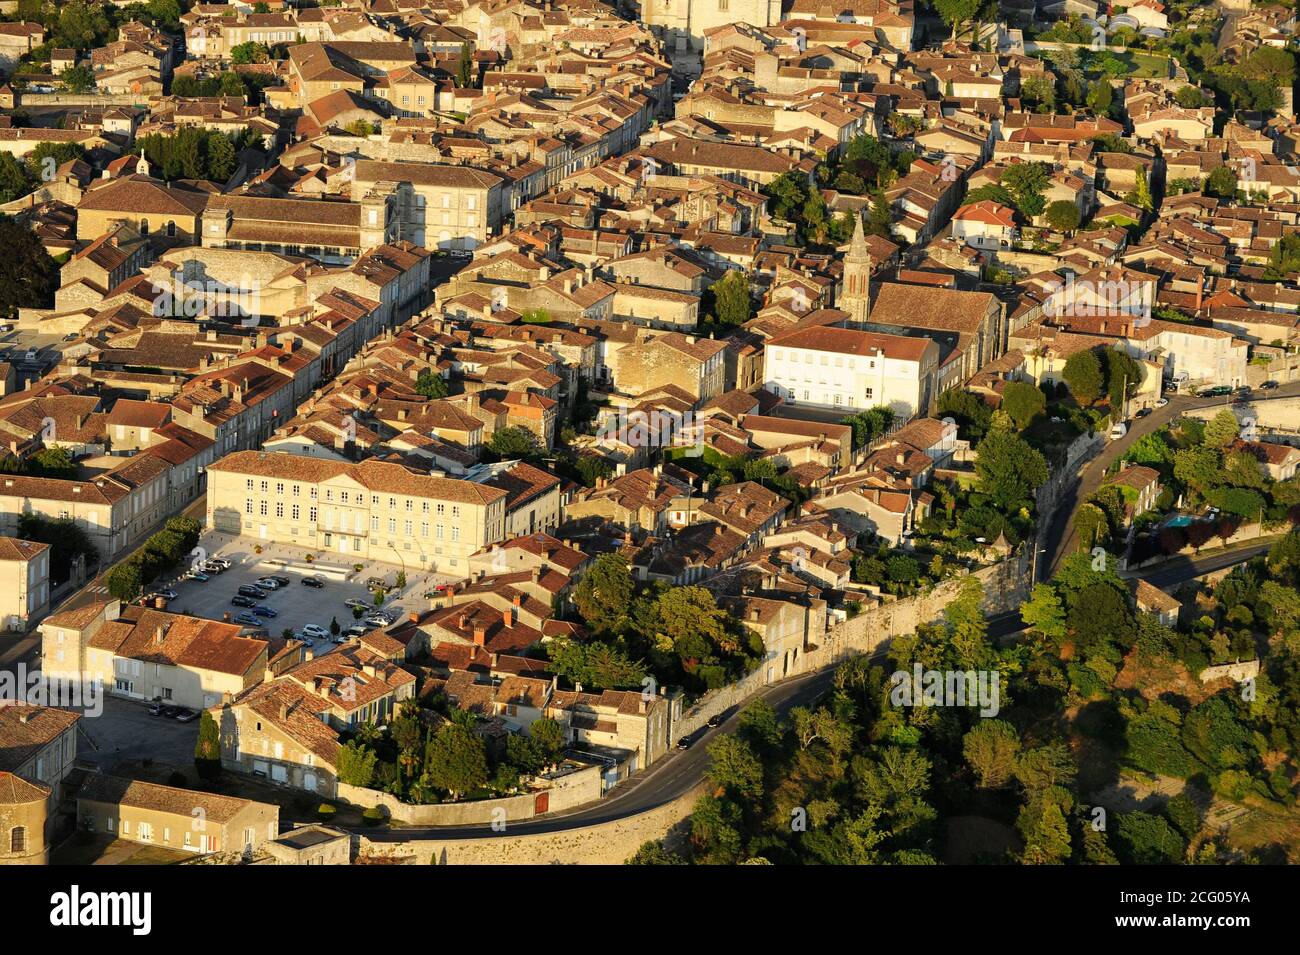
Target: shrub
{"points": [[374, 816], [325, 812]]}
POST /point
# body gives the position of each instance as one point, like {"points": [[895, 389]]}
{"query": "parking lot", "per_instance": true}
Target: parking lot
{"points": [[296, 604], [125, 731]]}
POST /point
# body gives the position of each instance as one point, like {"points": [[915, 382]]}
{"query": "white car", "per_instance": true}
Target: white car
{"points": [[356, 604], [1161, 402], [267, 583], [314, 632], [1118, 430]]}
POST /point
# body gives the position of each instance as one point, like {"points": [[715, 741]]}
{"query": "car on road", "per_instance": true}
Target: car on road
{"points": [[1142, 412], [314, 582], [373, 582], [156, 708], [166, 594], [264, 611], [1269, 385], [221, 562], [357, 631], [267, 583], [170, 711], [377, 621], [437, 591], [1118, 430], [252, 619], [282, 581], [198, 575], [248, 590], [212, 567], [1161, 402], [1218, 391], [315, 632], [717, 719], [185, 715], [686, 742], [1244, 391], [239, 600], [356, 604]]}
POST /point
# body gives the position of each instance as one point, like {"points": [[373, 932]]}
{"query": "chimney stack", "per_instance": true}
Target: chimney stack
{"points": [[480, 636]]}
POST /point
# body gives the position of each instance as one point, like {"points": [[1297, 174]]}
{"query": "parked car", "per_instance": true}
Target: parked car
{"points": [[170, 711], [1142, 412], [166, 594], [248, 590], [1218, 391], [220, 562], [282, 581], [1118, 430], [314, 632], [315, 582], [185, 715], [377, 621], [357, 631], [213, 567], [1161, 402], [239, 600], [373, 582], [253, 620], [356, 604], [1268, 385], [264, 611], [268, 583], [716, 719], [156, 708], [198, 575], [686, 742]]}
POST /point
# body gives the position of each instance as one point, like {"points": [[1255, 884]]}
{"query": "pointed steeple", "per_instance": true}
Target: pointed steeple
{"points": [[856, 297]]}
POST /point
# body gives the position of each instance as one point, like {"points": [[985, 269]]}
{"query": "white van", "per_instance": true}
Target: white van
{"points": [[1118, 430]]}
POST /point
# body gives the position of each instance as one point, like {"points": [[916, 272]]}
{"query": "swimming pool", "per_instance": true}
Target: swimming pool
{"points": [[1180, 520]]}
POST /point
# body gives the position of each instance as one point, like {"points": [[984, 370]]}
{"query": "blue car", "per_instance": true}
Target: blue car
{"points": [[264, 611]]}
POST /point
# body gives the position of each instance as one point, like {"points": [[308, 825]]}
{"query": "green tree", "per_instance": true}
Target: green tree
{"points": [[1023, 402], [1221, 182], [77, 79], [356, 764], [1222, 430], [1027, 181], [728, 300], [734, 768], [465, 67], [1062, 215], [956, 12], [1149, 840], [456, 760], [599, 666], [990, 749], [604, 593], [654, 853], [513, 442], [80, 26], [124, 581], [30, 276], [1043, 612], [232, 84], [207, 751], [1009, 470], [251, 52], [549, 736], [14, 179], [1101, 97], [1141, 194], [431, 384], [1083, 375]]}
